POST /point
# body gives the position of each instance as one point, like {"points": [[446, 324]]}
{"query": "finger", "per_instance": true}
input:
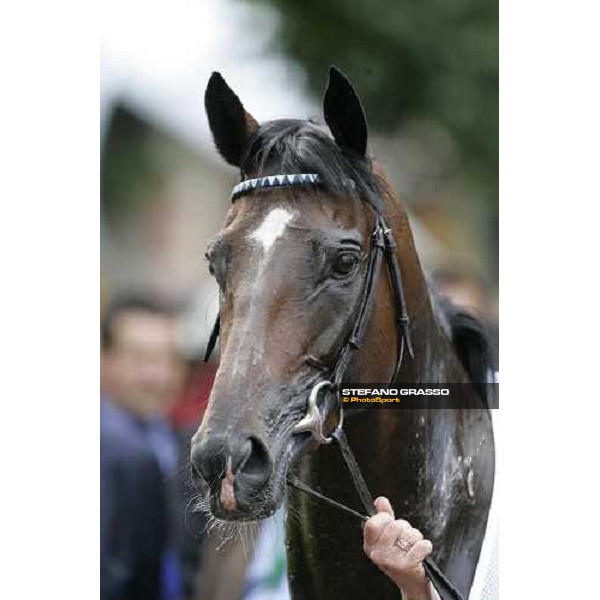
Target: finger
{"points": [[396, 530], [412, 536], [375, 526], [382, 504], [419, 551]]}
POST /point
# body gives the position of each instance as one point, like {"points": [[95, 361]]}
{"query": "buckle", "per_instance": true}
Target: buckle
{"points": [[378, 238]]}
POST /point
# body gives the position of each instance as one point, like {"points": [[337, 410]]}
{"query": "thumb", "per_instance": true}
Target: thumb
{"points": [[382, 504]]}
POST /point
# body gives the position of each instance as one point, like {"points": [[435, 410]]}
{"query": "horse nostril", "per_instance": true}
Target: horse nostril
{"points": [[257, 463], [247, 457], [206, 461]]}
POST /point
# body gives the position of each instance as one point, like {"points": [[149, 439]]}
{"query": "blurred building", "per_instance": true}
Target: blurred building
{"points": [[161, 201]]}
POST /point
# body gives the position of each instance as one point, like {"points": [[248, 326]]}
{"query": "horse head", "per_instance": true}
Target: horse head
{"points": [[291, 264]]}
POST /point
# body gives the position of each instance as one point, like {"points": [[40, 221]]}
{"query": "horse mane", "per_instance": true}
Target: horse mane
{"points": [[472, 342]]}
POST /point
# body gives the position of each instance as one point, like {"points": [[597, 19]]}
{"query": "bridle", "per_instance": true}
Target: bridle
{"points": [[383, 247]]}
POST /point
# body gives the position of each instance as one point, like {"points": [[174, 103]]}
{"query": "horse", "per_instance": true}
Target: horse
{"points": [[291, 261]]}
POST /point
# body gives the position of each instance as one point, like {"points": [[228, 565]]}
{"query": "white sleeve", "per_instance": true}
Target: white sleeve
{"points": [[485, 583]]}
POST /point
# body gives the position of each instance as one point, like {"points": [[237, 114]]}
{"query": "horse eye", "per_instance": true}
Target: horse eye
{"points": [[345, 263]]}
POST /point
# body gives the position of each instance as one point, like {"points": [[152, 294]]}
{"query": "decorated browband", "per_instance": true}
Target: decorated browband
{"points": [[271, 181]]}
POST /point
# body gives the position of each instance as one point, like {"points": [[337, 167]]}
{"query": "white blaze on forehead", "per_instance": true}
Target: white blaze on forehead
{"points": [[272, 227], [265, 235]]}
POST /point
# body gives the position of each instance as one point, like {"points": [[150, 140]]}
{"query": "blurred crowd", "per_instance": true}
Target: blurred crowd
{"points": [[154, 539]]}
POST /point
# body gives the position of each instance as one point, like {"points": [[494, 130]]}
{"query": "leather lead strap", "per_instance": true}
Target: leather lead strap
{"points": [[443, 586], [355, 473], [299, 485]]}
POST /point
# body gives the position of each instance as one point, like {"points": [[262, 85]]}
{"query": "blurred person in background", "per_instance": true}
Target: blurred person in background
{"points": [[141, 375], [190, 523], [464, 287]]}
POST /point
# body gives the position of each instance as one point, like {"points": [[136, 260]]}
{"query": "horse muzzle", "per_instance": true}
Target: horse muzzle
{"points": [[237, 469], [245, 461]]}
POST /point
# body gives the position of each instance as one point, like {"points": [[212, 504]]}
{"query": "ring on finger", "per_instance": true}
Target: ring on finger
{"points": [[403, 544]]}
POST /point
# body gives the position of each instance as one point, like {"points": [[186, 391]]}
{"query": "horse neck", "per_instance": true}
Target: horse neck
{"points": [[435, 360]]}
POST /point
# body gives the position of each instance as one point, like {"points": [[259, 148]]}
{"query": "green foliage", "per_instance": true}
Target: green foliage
{"points": [[436, 59]]}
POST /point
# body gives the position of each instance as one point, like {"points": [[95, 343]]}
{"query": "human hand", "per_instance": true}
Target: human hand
{"points": [[398, 549]]}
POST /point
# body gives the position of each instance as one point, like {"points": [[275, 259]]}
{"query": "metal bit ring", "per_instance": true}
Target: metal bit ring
{"points": [[313, 421]]}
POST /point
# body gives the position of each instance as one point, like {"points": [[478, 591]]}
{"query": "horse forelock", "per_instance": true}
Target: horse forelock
{"points": [[289, 146]]}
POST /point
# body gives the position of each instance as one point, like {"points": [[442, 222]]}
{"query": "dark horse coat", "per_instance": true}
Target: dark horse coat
{"points": [[291, 265]]}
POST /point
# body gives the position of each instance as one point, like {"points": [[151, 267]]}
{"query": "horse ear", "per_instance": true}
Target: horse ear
{"points": [[230, 124], [344, 113]]}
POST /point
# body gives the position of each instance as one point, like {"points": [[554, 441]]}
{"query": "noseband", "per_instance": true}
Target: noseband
{"points": [[382, 246]]}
